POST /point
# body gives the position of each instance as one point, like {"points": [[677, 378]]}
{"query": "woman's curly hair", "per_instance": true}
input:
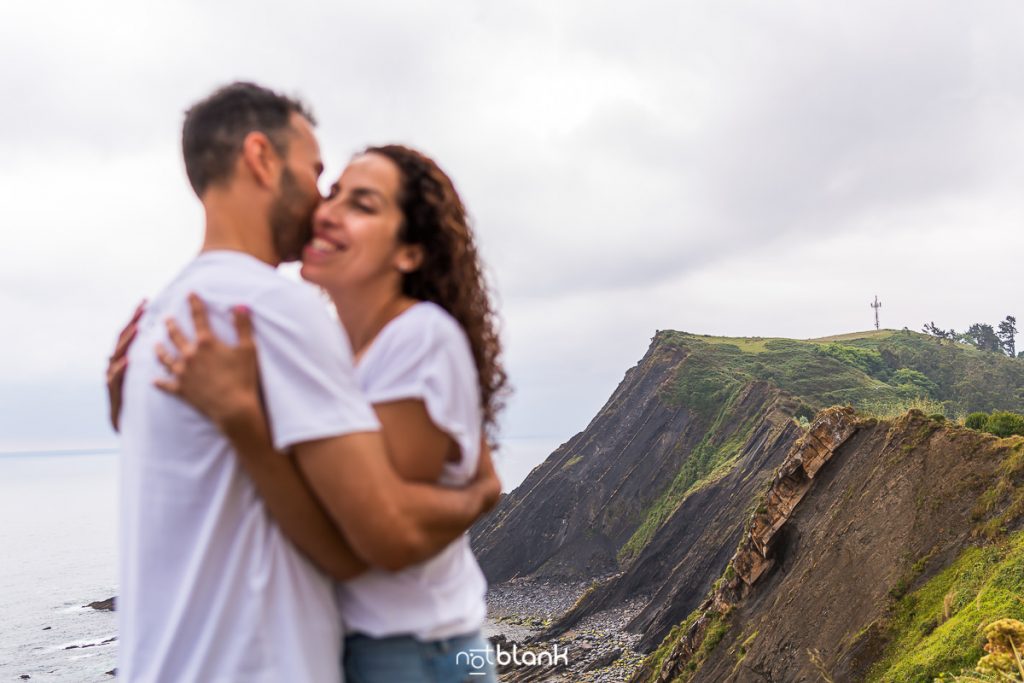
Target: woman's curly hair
{"points": [[451, 275]]}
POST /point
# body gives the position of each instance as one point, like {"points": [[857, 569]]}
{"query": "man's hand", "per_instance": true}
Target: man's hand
{"points": [[117, 365]]}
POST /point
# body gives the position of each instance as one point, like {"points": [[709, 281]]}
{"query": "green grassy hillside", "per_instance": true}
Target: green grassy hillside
{"points": [[878, 372]]}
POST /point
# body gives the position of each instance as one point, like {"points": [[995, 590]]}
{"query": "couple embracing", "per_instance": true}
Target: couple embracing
{"points": [[295, 489]]}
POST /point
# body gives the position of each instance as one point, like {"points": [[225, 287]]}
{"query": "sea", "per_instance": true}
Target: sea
{"points": [[58, 533]]}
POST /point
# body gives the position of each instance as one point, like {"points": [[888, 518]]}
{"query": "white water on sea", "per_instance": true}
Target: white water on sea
{"points": [[58, 533], [57, 537]]}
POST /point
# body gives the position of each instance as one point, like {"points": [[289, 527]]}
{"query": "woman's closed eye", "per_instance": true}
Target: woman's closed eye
{"points": [[363, 206]]}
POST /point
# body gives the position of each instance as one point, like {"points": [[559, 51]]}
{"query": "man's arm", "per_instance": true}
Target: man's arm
{"points": [[292, 503], [384, 520], [396, 524], [390, 523]]}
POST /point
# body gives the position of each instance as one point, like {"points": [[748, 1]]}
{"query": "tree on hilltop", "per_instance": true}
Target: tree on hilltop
{"points": [[982, 336], [936, 331], [1007, 333]]}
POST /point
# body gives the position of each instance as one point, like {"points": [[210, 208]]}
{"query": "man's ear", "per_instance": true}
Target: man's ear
{"points": [[409, 258], [261, 159]]}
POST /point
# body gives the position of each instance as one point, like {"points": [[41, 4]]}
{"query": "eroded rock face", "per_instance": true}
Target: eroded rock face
{"points": [[754, 557], [854, 510], [691, 550], [577, 508]]}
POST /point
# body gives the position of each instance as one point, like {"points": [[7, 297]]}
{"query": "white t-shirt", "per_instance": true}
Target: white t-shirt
{"points": [[210, 588], [424, 354]]}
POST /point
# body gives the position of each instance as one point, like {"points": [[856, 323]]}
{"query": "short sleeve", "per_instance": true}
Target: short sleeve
{"points": [[309, 383], [426, 356]]}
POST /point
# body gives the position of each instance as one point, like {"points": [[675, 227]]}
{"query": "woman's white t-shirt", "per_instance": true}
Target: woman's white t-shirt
{"points": [[424, 354]]}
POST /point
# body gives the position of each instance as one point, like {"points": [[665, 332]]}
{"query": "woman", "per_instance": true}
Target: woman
{"points": [[393, 249]]}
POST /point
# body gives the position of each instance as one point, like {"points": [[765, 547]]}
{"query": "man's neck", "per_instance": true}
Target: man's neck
{"points": [[233, 225]]}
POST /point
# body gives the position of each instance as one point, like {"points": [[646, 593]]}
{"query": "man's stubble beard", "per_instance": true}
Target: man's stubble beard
{"points": [[291, 218]]}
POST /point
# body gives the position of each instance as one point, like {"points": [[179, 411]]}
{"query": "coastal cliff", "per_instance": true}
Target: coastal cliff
{"points": [[710, 476], [878, 552]]}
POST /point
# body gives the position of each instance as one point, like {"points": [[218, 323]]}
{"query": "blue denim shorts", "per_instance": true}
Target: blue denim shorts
{"points": [[403, 659]]}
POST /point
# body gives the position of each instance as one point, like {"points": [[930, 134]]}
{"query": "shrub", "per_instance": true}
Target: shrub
{"points": [[1002, 423], [914, 382], [976, 420], [867, 361]]}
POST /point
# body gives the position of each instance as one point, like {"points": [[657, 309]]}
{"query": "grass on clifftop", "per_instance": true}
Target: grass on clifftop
{"points": [[868, 370]]}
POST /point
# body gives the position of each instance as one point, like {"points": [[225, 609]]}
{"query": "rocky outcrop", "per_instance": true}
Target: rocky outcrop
{"points": [[108, 605], [789, 486]]}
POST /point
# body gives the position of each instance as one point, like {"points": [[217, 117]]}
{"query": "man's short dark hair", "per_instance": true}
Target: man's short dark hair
{"points": [[215, 128]]}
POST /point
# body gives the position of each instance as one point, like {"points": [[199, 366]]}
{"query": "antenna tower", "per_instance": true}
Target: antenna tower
{"points": [[876, 305]]}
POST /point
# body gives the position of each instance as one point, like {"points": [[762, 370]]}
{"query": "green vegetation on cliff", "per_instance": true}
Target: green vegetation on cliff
{"points": [[932, 624], [713, 631], [712, 458], [938, 628]]}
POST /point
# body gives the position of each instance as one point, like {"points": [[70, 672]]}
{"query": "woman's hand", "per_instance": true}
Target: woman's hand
{"points": [[117, 365], [217, 379]]}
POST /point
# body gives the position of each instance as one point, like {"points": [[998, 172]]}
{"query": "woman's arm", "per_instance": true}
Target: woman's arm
{"points": [[233, 374], [417, 448]]}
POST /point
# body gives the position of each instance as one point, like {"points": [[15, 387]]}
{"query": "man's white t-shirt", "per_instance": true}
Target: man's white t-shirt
{"points": [[424, 354], [210, 589]]}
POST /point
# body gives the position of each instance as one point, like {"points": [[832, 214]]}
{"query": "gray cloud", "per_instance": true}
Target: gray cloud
{"points": [[737, 168]]}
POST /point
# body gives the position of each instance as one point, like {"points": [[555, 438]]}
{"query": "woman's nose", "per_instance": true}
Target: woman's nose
{"points": [[322, 216]]}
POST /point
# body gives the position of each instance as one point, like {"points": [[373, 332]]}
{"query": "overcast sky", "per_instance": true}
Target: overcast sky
{"points": [[738, 168]]}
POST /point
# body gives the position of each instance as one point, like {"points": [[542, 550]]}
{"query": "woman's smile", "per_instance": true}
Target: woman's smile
{"points": [[321, 247]]}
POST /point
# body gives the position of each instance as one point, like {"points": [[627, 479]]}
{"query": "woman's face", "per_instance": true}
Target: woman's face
{"points": [[355, 229]]}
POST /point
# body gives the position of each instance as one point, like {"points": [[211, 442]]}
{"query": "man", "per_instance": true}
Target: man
{"points": [[210, 588]]}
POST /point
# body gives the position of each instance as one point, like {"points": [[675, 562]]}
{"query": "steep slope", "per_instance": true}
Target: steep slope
{"points": [[653, 496], [878, 552], [575, 510], [681, 561]]}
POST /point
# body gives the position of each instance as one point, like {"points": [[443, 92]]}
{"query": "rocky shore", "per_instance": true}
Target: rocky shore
{"points": [[596, 650]]}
